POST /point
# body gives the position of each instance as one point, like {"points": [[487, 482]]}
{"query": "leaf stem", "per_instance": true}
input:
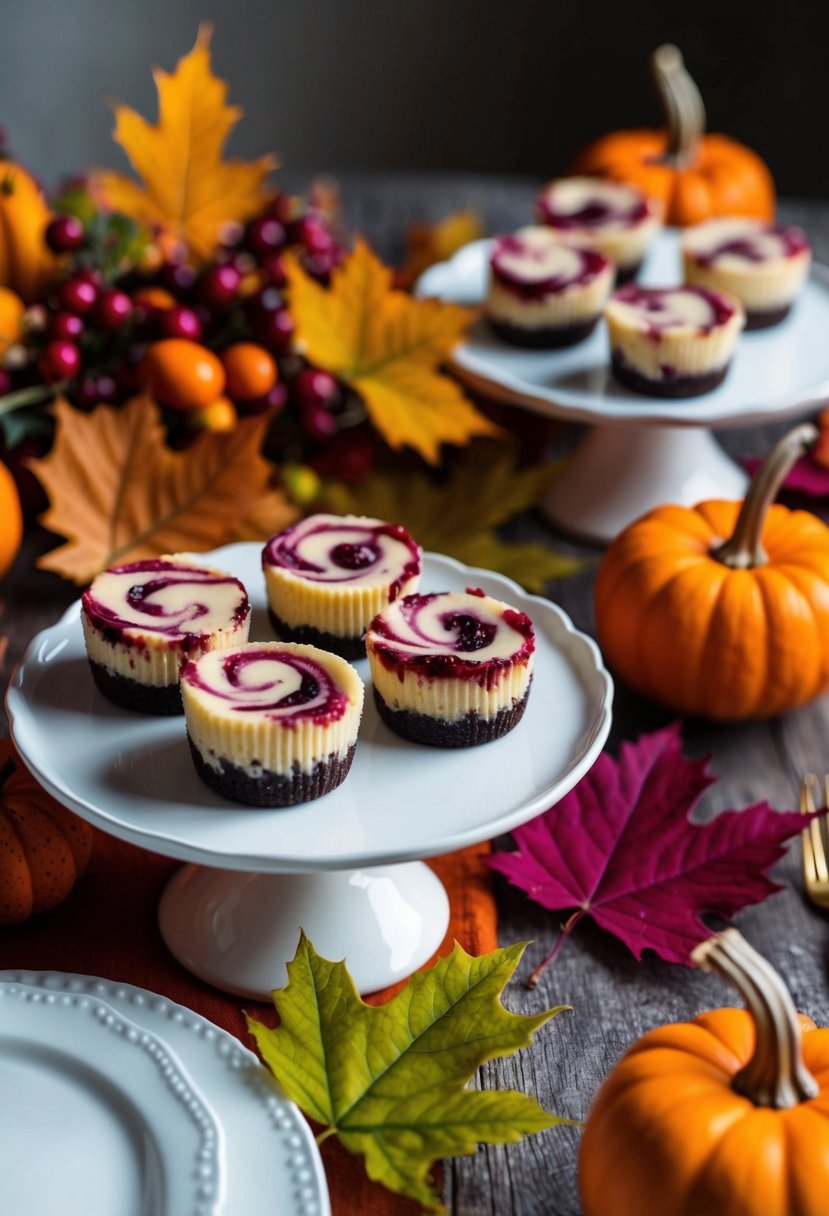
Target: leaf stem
{"points": [[325, 1135], [566, 930]]}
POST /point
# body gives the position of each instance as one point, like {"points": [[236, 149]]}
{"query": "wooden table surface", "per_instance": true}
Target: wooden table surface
{"points": [[613, 998]]}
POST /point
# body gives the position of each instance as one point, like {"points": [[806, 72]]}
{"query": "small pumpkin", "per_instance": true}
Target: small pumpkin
{"points": [[44, 848], [727, 1114], [727, 629], [26, 264], [11, 319], [695, 176], [11, 520]]}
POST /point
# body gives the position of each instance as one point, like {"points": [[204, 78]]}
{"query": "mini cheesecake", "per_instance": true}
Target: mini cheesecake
{"points": [[272, 723], [672, 342], [617, 220], [763, 265], [542, 293], [451, 669], [329, 575], [142, 620]]}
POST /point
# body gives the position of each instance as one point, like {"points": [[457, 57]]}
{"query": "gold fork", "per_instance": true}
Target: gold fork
{"points": [[815, 857]]}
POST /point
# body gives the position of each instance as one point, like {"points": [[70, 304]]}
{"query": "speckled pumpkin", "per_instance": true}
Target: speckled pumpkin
{"points": [[43, 846]]}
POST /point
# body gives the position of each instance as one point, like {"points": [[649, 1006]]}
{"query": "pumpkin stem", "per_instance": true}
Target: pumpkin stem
{"points": [[775, 1075], [681, 104], [744, 550]]}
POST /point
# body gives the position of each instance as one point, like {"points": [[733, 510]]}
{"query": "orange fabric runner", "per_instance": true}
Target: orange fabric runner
{"points": [[108, 928]]}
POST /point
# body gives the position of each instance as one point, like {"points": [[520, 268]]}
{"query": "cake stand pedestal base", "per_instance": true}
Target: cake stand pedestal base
{"points": [[238, 931], [617, 473]]}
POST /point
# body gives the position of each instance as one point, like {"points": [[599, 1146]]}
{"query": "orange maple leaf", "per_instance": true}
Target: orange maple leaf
{"points": [[388, 347], [118, 493], [188, 191], [430, 243]]}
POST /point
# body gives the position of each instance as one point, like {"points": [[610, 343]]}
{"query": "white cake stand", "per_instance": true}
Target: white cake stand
{"points": [[641, 451], [346, 868]]}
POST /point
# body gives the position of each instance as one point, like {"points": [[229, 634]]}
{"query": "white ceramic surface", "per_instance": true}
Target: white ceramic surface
{"points": [[132, 775], [774, 372], [126, 1104]]}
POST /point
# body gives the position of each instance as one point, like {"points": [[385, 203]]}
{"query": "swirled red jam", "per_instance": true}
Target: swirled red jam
{"points": [[348, 549], [164, 599], [272, 723], [655, 311], [532, 264], [763, 265], [587, 204], [269, 681]]}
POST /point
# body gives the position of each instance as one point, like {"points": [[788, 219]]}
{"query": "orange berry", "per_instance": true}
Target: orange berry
{"points": [[250, 370], [154, 297], [220, 415], [183, 375], [11, 520], [11, 316]]}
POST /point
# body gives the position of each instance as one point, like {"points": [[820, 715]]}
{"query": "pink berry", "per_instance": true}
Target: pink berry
{"points": [[264, 235], [318, 422], [219, 285], [64, 325], [112, 310], [60, 360], [312, 387], [64, 234], [179, 322], [77, 295]]}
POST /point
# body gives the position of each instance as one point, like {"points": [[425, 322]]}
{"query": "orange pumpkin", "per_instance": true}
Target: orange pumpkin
{"points": [[43, 846], [11, 318], [725, 628], [695, 176], [11, 520], [26, 263], [726, 1115]]}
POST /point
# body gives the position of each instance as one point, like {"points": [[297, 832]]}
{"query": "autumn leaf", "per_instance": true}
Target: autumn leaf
{"points": [[388, 346], [621, 849], [117, 492], [187, 190], [430, 243], [389, 1080], [458, 515]]}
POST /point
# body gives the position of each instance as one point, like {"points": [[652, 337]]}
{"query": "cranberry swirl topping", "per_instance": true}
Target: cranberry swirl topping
{"points": [[466, 635], [572, 204], [533, 263], [167, 597], [652, 310], [350, 549], [739, 241], [270, 680]]}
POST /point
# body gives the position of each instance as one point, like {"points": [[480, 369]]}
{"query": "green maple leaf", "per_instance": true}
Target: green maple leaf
{"points": [[459, 514], [389, 1080]]}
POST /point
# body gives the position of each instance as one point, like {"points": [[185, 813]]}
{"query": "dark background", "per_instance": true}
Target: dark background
{"points": [[472, 85]]}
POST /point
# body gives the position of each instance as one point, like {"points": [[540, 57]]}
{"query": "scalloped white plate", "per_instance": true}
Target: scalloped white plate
{"points": [[101, 1114], [774, 372], [132, 775]]}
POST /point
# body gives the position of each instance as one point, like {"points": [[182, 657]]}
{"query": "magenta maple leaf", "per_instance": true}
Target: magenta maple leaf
{"points": [[621, 848], [808, 476]]}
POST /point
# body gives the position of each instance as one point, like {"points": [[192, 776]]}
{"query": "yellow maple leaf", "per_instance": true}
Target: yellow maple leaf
{"points": [[188, 191], [118, 493], [388, 347]]}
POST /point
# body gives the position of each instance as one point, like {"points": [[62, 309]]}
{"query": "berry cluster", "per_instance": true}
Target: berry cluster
{"points": [[211, 343]]}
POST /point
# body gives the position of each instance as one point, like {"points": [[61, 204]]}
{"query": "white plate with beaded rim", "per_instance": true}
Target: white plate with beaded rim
{"points": [[132, 775], [185, 1118], [774, 372]]}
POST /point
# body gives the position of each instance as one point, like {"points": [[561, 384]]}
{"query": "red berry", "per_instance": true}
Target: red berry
{"points": [[312, 387], [274, 330], [274, 267], [349, 458], [318, 422], [178, 277], [88, 274], [60, 360], [64, 325], [5, 382], [310, 232], [219, 285], [320, 265], [64, 233], [264, 235], [179, 322], [112, 310], [272, 402], [77, 295]]}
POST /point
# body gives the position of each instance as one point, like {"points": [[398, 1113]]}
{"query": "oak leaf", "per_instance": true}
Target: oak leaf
{"points": [[187, 191], [118, 493], [621, 849], [388, 346], [458, 514], [389, 1080]]}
